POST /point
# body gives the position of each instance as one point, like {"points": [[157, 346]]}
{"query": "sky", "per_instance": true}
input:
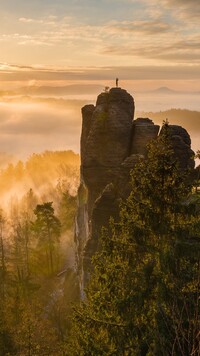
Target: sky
{"points": [[96, 39], [147, 44]]}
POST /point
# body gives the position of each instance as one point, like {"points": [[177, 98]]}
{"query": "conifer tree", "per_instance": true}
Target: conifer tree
{"points": [[47, 229]]}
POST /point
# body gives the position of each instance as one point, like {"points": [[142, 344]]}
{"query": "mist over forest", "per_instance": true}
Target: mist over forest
{"points": [[39, 118], [37, 259]]}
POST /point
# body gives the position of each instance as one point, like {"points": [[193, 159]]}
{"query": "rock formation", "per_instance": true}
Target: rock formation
{"points": [[181, 144], [111, 143]]}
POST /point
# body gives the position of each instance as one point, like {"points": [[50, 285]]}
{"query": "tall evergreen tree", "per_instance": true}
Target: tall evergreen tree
{"points": [[47, 228], [143, 295]]}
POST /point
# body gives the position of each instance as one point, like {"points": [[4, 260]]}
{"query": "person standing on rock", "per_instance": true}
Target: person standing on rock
{"points": [[117, 80]]}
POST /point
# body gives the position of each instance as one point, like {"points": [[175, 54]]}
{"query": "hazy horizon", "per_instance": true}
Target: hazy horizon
{"points": [[84, 46], [34, 124]]}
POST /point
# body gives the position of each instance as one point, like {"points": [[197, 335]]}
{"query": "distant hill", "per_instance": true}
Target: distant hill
{"points": [[168, 91], [164, 90], [186, 118]]}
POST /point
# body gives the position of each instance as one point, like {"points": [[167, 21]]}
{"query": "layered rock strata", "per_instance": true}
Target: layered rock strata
{"points": [[111, 143]]}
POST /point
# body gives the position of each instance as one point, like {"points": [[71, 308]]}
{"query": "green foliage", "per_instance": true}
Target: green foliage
{"points": [[36, 285], [143, 295], [67, 210], [35, 334], [35, 304], [47, 230]]}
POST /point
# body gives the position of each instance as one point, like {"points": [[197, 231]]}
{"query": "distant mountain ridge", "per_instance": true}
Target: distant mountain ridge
{"points": [[81, 89], [166, 90]]}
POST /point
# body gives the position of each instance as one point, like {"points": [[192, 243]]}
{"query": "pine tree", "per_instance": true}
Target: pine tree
{"points": [[47, 229]]}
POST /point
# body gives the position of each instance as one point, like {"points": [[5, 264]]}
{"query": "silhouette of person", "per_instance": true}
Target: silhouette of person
{"points": [[117, 80]]}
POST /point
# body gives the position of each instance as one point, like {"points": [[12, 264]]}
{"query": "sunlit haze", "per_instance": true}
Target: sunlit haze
{"points": [[57, 56]]}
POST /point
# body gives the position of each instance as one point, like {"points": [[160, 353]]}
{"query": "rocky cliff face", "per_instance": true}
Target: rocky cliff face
{"points": [[111, 143], [181, 144]]}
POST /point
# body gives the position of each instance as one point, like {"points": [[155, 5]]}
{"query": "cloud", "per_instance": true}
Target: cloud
{"points": [[142, 40], [50, 31], [27, 39], [45, 21], [14, 67], [28, 20], [66, 38], [180, 9], [142, 27], [177, 12], [139, 72], [173, 48], [191, 6]]}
